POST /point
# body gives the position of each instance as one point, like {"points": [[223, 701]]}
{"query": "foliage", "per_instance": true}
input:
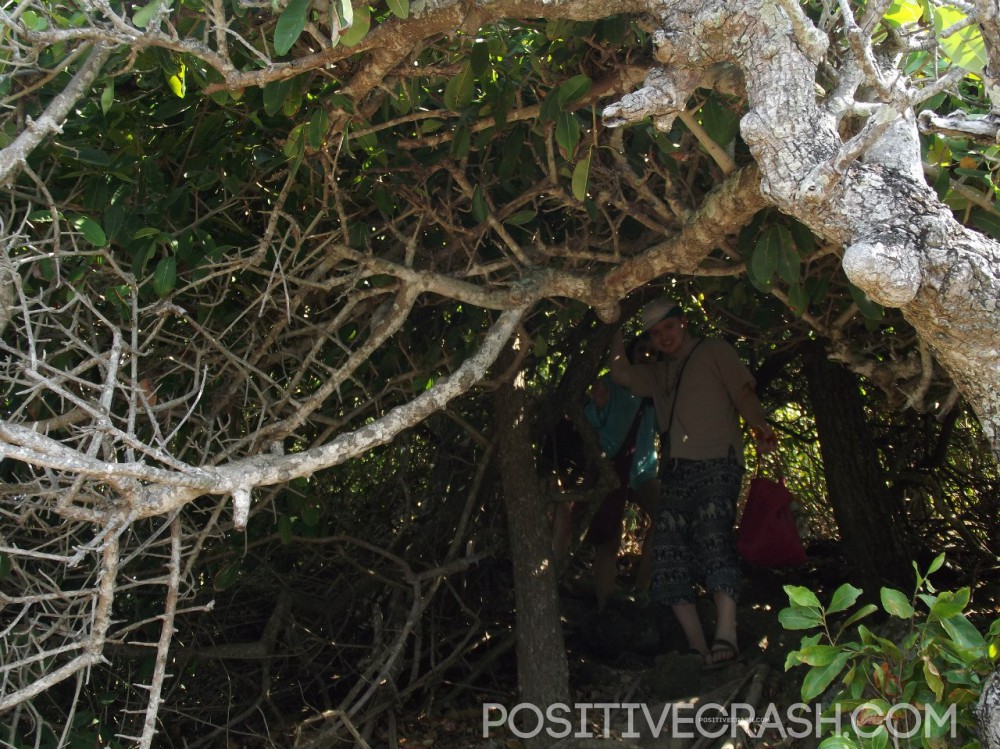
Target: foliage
{"points": [[928, 655], [254, 238]]}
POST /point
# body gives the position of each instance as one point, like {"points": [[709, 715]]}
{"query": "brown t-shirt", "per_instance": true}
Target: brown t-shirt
{"points": [[705, 422]]}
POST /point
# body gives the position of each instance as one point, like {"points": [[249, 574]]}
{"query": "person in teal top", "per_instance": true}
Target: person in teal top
{"points": [[627, 428], [613, 422]]}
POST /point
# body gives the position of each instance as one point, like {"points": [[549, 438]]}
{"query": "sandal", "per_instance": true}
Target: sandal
{"points": [[721, 653]]}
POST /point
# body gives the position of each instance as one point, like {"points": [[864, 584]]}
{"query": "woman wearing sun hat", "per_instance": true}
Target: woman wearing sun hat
{"points": [[700, 390]]}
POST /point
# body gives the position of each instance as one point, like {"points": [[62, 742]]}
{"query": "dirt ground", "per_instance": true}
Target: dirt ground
{"points": [[629, 662]]}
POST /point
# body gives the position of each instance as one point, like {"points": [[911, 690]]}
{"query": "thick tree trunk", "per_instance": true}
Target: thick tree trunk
{"points": [[871, 527], [903, 246], [543, 672]]}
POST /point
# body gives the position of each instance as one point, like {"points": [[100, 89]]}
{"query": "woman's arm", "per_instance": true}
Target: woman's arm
{"points": [[621, 368], [750, 408]]}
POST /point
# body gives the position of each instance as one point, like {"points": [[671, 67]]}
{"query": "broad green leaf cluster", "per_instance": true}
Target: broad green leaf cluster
{"points": [[927, 653]]}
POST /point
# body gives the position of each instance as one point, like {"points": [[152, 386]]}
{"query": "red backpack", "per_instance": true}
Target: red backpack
{"points": [[767, 535]]}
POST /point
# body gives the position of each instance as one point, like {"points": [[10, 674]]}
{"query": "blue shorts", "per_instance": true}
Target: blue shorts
{"points": [[694, 539]]}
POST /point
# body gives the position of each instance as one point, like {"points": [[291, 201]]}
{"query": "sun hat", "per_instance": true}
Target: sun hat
{"points": [[658, 311]]}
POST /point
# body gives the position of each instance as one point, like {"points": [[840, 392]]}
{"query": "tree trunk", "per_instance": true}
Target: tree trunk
{"points": [[871, 526], [987, 712], [903, 246], [543, 672]]}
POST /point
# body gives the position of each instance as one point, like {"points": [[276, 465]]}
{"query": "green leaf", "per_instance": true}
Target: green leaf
{"points": [[575, 88], [766, 253], [461, 143], [933, 678], [399, 8], [5, 565], [896, 603], [581, 173], [290, 24], [800, 618], [91, 230], [793, 659], [165, 276], [550, 109], [92, 156], [838, 741], [818, 655], [567, 132], [965, 48], [987, 222], [788, 256], [903, 12], [803, 238], [460, 89], [310, 516], [144, 15], [613, 28], [343, 12], [319, 123], [869, 309], [937, 564], [800, 596], [820, 677], [141, 258], [33, 21], [843, 598], [480, 211], [227, 575], [798, 299], [965, 636], [274, 95], [950, 604], [177, 82], [521, 217], [721, 123], [858, 615], [285, 529], [480, 58], [295, 144], [359, 28], [108, 96]]}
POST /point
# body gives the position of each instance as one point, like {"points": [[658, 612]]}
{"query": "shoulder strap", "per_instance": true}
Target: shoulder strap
{"points": [[677, 385]]}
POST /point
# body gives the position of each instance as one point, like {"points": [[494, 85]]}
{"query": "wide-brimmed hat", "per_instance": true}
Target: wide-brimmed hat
{"points": [[658, 311]]}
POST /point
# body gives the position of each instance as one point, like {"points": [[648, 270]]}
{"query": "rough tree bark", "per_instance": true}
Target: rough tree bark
{"points": [[543, 671], [873, 540], [903, 246]]}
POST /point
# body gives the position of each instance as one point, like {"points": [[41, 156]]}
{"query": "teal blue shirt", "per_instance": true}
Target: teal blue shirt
{"points": [[613, 423]]}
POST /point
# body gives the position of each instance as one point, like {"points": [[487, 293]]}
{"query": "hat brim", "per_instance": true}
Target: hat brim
{"points": [[674, 311]]}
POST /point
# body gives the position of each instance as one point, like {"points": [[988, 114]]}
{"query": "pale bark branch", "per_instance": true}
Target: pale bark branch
{"points": [[50, 121]]}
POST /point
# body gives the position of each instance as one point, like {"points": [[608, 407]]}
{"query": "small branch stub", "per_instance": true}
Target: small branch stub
{"points": [[241, 507]]}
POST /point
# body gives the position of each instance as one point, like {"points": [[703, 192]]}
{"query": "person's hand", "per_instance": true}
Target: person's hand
{"points": [[767, 439]]}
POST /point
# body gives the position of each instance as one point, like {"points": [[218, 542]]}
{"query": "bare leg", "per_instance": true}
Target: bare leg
{"points": [[562, 530], [687, 615], [725, 627], [646, 498]]}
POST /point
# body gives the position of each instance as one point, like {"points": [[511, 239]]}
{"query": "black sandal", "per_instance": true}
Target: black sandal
{"points": [[722, 653]]}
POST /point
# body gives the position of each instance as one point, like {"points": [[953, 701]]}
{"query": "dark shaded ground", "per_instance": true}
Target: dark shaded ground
{"points": [[634, 654], [633, 658]]}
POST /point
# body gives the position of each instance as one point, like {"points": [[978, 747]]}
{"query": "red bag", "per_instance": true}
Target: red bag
{"points": [[768, 536]]}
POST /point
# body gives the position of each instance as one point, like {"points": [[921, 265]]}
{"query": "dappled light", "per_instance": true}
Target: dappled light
{"points": [[302, 304]]}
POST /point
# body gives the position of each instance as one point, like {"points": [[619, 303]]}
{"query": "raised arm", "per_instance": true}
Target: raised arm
{"points": [[621, 368]]}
